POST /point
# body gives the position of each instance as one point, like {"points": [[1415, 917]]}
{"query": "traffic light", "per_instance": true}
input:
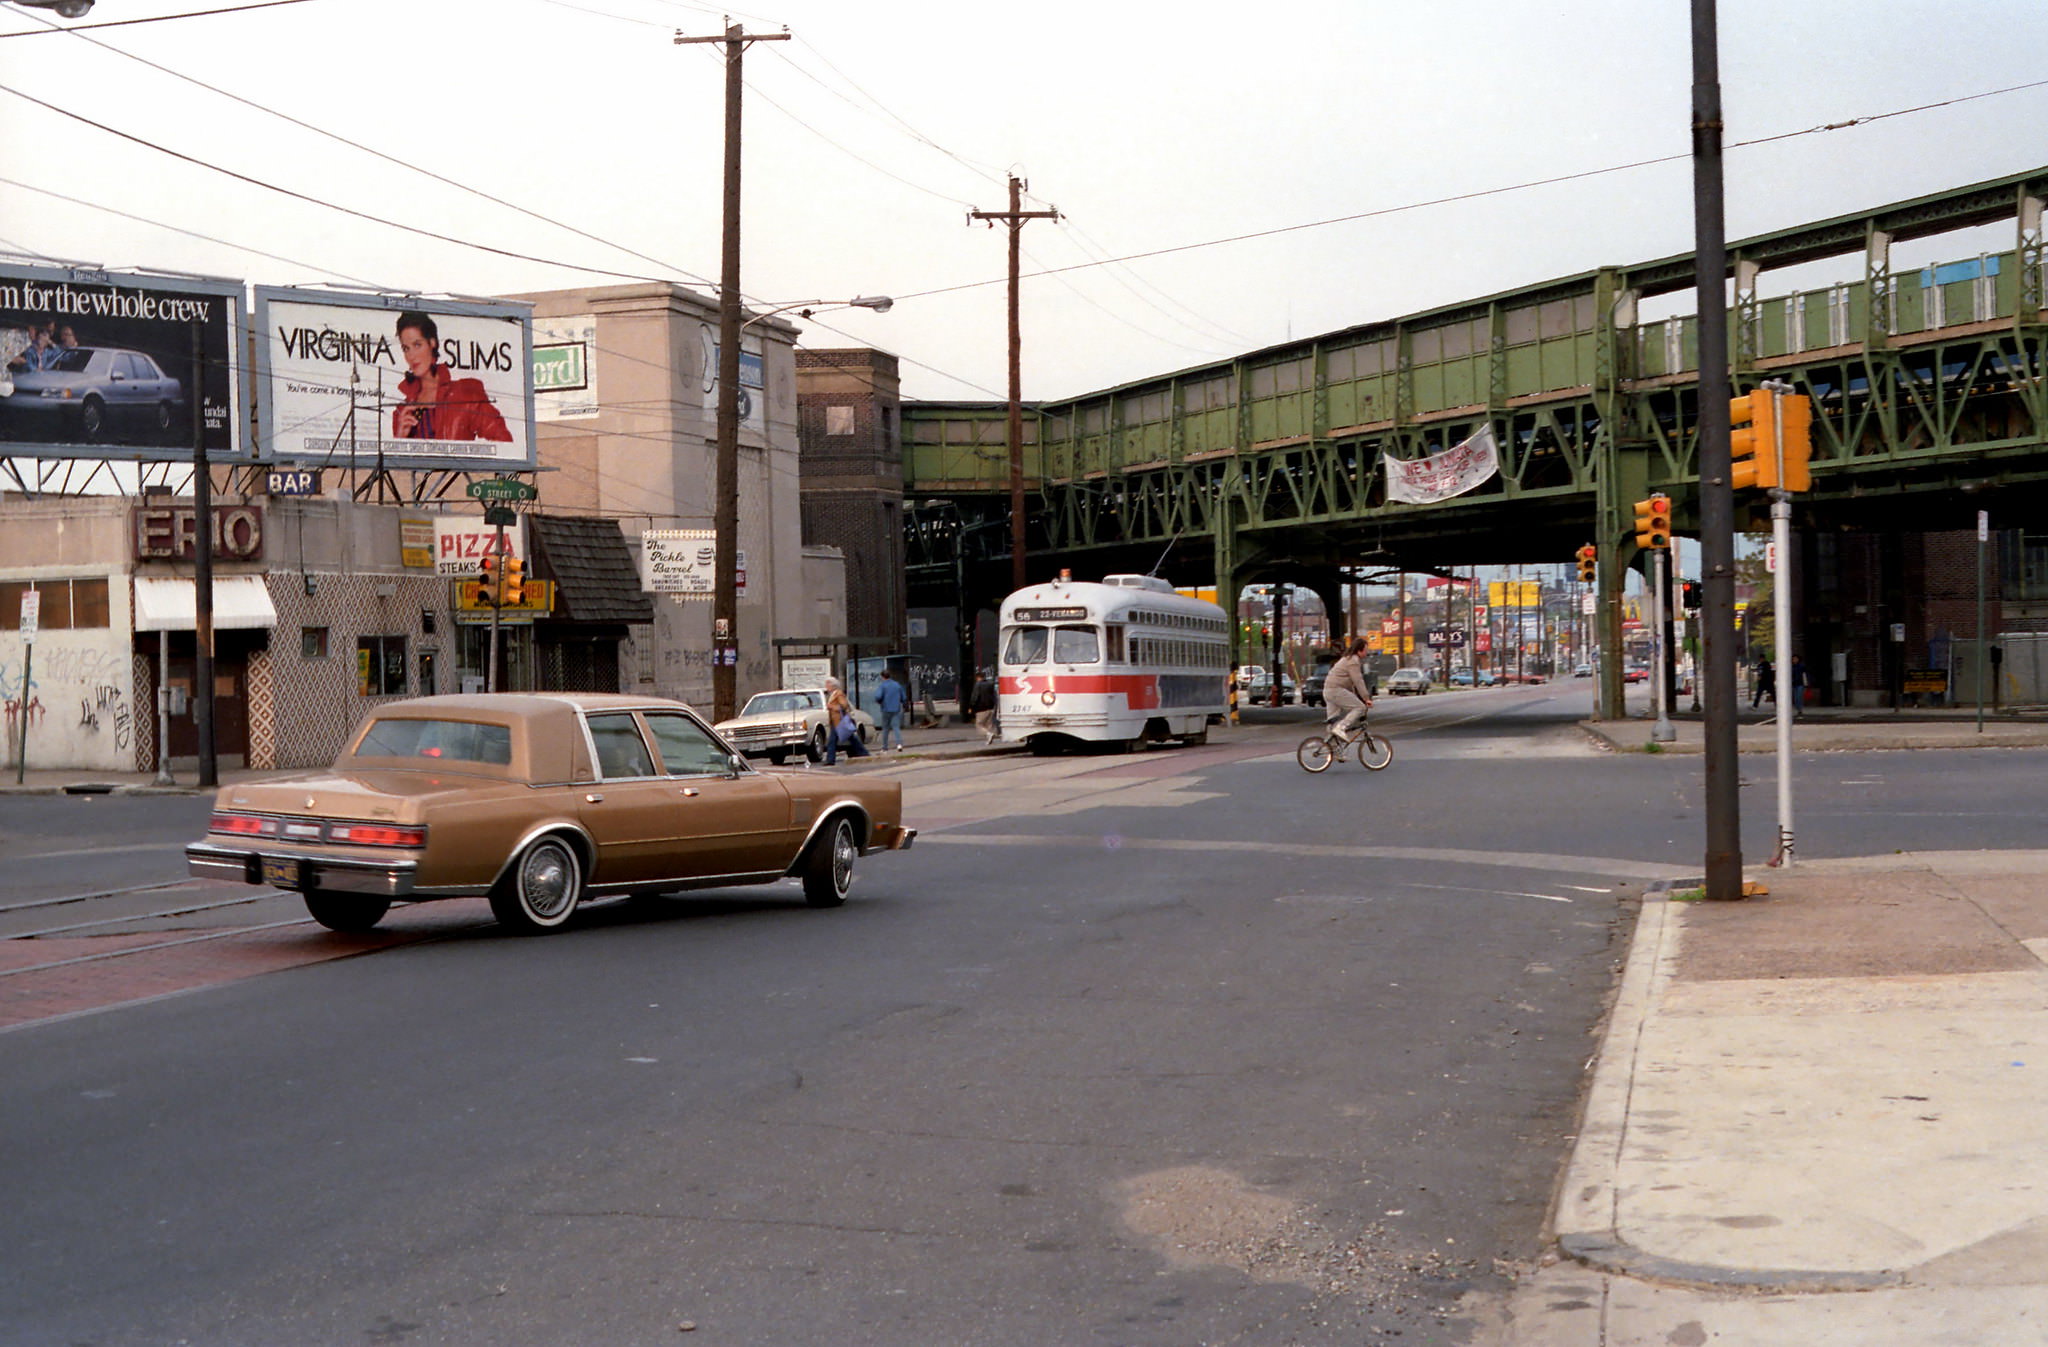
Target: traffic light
{"points": [[1795, 423], [488, 587], [512, 589], [1653, 523], [1589, 563], [1752, 439], [1689, 595]]}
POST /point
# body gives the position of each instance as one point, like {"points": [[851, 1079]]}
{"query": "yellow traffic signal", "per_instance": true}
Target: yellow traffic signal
{"points": [[512, 589], [1653, 523], [488, 587], [1752, 439], [1795, 423], [1589, 563]]}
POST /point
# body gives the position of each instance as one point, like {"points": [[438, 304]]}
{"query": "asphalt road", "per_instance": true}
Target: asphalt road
{"points": [[1186, 1047]]}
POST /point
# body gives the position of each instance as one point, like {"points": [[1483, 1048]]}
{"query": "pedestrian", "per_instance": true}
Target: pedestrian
{"points": [[1766, 684], [1798, 684], [890, 699], [983, 704], [841, 730]]}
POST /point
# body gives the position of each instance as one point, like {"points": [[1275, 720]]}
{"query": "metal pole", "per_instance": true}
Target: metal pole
{"points": [[163, 709], [1781, 648], [498, 579], [1983, 536], [202, 572], [1660, 663], [1717, 488], [28, 660]]}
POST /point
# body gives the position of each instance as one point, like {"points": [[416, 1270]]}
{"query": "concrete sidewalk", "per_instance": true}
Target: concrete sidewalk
{"points": [[1835, 729], [1816, 1117]]}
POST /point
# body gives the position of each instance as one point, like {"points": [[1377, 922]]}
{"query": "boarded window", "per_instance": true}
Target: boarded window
{"points": [[838, 420]]}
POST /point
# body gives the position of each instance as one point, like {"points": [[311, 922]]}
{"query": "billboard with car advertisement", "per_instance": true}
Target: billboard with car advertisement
{"points": [[99, 364], [409, 383]]}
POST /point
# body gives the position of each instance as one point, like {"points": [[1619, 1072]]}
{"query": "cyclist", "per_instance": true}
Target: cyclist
{"points": [[1346, 694]]}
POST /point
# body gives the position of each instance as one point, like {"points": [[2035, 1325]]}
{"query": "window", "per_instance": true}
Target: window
{"points": [[1026, 645], [621, 752], [312, 643], [451, 740], [686, 750], [1076, 645], [65, 604], [839, 420], [380, 666]]}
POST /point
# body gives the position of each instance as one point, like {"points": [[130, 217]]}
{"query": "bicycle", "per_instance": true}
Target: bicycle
{"points": [[1318, 751]]}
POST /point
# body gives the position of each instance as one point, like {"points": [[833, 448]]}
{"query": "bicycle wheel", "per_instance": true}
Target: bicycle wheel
{"points": [[1374, 753], [1315, 754]]}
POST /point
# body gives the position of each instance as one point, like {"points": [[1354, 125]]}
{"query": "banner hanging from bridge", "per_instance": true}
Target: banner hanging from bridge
{"points": [[1455, 471]]}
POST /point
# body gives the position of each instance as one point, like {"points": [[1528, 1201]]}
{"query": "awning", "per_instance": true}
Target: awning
{"points": [[169, 605]]}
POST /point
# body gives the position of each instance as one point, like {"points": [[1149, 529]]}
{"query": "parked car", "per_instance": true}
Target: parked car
{"points": [[1463, 678], [1583, 671], [92, 394], [1255, 686], [1488, 678], [537, 801], [1635, 673], [773, 725], [1402, 682]]}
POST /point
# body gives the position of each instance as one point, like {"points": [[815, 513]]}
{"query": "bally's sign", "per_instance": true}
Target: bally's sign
{"points": [[171, 532]]}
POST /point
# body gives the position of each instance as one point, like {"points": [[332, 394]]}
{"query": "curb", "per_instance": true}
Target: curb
{"points": [[1585, 1223]]}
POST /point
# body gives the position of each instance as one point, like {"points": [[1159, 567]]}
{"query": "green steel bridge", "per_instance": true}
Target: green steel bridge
{"points": [[1927, 385]]}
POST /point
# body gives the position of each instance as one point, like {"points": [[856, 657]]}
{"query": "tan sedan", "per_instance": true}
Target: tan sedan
{"points": [[536, 801]]}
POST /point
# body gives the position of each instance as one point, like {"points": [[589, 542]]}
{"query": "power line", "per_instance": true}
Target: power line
{"points": [[160, 18]]}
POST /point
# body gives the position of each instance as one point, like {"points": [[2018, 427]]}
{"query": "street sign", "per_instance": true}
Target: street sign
{"points": [[501, 488], [501, 515], [31, 612]]}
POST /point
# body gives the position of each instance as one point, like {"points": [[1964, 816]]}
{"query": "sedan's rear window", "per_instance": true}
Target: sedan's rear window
{"points": [[445, 740]]}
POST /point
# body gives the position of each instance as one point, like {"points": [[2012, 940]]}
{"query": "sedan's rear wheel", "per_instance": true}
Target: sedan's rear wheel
{"points": [[351, 913], [828, 869], [541, 891]]}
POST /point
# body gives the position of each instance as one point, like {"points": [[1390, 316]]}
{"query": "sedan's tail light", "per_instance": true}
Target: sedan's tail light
{"points": [[378, 834], [242, 825]]}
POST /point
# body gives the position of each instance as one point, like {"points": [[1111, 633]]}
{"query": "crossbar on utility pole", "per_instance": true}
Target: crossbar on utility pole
{"points": [[1015, 217], [725, 513]]}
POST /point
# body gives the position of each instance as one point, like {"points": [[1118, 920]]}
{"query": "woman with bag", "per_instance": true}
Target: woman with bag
{"points": [[841, 731]]}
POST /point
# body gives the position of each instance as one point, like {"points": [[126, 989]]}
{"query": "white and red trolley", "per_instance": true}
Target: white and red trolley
{"points": [[1123, 661]]}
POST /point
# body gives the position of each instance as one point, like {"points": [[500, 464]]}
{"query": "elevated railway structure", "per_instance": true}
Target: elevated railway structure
{"points": [[1927, 383]]}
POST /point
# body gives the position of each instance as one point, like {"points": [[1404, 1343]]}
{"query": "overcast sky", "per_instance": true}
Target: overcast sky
{"points": [[876, 128]]}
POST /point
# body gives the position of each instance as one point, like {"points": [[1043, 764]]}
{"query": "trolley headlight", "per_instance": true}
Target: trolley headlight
{"points": [[1046, 698]]}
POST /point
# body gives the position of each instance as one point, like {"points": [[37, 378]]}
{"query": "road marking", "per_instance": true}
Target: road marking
{"points": [[1499, 893], [1515, 860]]}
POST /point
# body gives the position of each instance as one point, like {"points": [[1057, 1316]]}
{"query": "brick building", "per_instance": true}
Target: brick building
{"points": [[851, 453]]}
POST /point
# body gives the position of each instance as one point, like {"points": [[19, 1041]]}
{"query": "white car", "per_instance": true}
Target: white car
{"points": [[776, 724], [1401, 682]]}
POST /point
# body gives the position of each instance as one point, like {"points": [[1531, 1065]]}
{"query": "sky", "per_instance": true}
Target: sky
{"points": [[562, 143]]}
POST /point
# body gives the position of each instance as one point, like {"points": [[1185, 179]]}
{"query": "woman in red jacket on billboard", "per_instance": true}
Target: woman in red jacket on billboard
{"points": [[439, 406]]}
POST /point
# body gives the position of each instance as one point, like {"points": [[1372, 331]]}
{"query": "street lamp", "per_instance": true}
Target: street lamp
{"points": [[725, 518]]}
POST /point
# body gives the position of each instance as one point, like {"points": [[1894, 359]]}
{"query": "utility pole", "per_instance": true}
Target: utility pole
{"points": [[1717, 486], [202, 574], [725, 510], [1015, 217]]}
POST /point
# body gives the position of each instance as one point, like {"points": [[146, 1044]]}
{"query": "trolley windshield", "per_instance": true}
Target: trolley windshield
{"points": [[1064, 645]]}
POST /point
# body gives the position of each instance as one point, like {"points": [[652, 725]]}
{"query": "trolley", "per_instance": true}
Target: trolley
{"points": [[1123, 662]]}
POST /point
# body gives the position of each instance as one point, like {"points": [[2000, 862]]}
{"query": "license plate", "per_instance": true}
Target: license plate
{"points": [[281, 872]]}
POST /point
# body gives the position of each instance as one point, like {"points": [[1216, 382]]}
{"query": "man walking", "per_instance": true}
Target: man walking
{"points": [[890, 698]]}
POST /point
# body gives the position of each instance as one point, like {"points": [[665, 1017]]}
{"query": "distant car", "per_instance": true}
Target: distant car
{"points": [[1583, 671], [1402, 682], [1312, 690], [92, 393], [536, 801], [1635, 673], [773, 725], [1463, 678], [1488, 678], [1255, 686]]}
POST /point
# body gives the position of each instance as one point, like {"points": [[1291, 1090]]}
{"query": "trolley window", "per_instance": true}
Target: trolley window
{"points": [[1025, 646], [1076, 645]]}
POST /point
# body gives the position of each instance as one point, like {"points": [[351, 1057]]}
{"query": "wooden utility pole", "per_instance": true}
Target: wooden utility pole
{"points": [[1015, 217], [725, 510]]}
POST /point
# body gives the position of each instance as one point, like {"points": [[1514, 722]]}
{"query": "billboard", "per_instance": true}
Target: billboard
{"points": [[565, 367], [98, 364], [363, 380]]}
